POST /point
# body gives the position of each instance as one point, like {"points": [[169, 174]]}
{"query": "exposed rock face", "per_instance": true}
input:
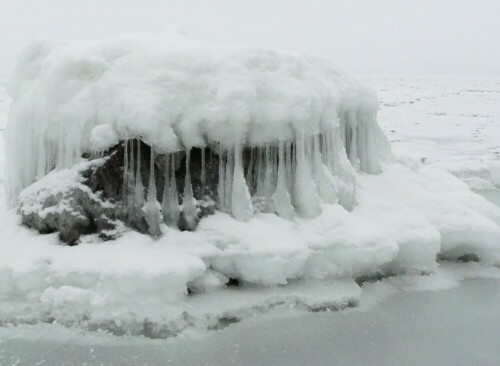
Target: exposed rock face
{"points": [[91, 198], [62, 202]]}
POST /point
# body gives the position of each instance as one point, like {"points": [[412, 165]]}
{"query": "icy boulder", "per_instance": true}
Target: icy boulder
{"points": [[203, 168], [236, 130], [177, 131]]}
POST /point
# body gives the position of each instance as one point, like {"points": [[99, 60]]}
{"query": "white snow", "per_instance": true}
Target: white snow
{"points": [[449, 122], [103, 137], [450, 318]]}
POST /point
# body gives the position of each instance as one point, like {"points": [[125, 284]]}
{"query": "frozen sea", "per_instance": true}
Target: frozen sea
{"points": [[451, 317]]}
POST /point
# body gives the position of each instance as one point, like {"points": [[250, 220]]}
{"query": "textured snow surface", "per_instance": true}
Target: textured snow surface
{"points": [[448, 122], [403, 218]]}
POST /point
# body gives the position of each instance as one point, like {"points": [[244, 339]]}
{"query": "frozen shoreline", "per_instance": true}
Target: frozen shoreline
{"points": [[410, 321]]}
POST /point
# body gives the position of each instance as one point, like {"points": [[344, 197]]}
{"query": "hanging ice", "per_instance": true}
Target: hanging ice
{"points": [[189, 210], [305, 189], [152, 206], [282, 198], [287, 130], [241, 203], [170, 203]]}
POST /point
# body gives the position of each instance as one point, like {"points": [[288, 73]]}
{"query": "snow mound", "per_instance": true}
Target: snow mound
{"points": [[172, 93]]}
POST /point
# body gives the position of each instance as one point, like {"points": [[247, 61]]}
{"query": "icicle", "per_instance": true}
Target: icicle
{"points": [[60, 147], [152, 206], [306, 195], [268, 180], [325, 150], [241, 202], [352, 137], [282, 198], [170, 201], [261, 172], [139, 187], [343, 131], [203, 170], [131, 181], [372, 144], [221, 187], [189, 210], [250, 171], [344, 173], [125, 172], [327, 188], [42, 169], [228, 181], [289, 168]]}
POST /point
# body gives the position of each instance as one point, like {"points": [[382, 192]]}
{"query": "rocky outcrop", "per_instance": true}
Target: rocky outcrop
{"points": [[62, 202], [94, 197]]}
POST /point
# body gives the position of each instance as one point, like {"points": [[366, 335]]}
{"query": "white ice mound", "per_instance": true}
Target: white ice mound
{"points": [[173, 93]]}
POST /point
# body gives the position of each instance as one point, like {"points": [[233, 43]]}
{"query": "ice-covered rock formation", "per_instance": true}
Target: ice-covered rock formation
{"points": [[265, 161], [273, 132]]}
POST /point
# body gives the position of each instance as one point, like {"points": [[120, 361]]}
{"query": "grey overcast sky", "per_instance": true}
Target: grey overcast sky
{"points": [[362, 36]]}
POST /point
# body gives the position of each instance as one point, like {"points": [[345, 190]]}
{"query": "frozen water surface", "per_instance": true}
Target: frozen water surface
{"points": [[457, 326], [492, 195]]}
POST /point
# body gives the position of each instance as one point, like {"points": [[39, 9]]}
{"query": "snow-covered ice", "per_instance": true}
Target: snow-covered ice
{"points": [[448, 319], [450, 122]]}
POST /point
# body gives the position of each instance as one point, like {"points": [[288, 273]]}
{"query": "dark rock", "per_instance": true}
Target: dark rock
{"points": [[471, 257], [69, 207], [96, 201], [233, 282]]}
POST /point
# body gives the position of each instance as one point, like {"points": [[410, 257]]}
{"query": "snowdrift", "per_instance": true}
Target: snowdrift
{"points": [[306, 188]]}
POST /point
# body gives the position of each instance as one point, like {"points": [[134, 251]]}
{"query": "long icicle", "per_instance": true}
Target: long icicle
{"points": [[228, 182], [203, 173], [188, 202], [241, 202], [221, 187], [170, 201], [139, 186], [131, 182], [282, 199], [125, 173], [305, 190], [152, 206], [327, 188], [250, 171]]}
